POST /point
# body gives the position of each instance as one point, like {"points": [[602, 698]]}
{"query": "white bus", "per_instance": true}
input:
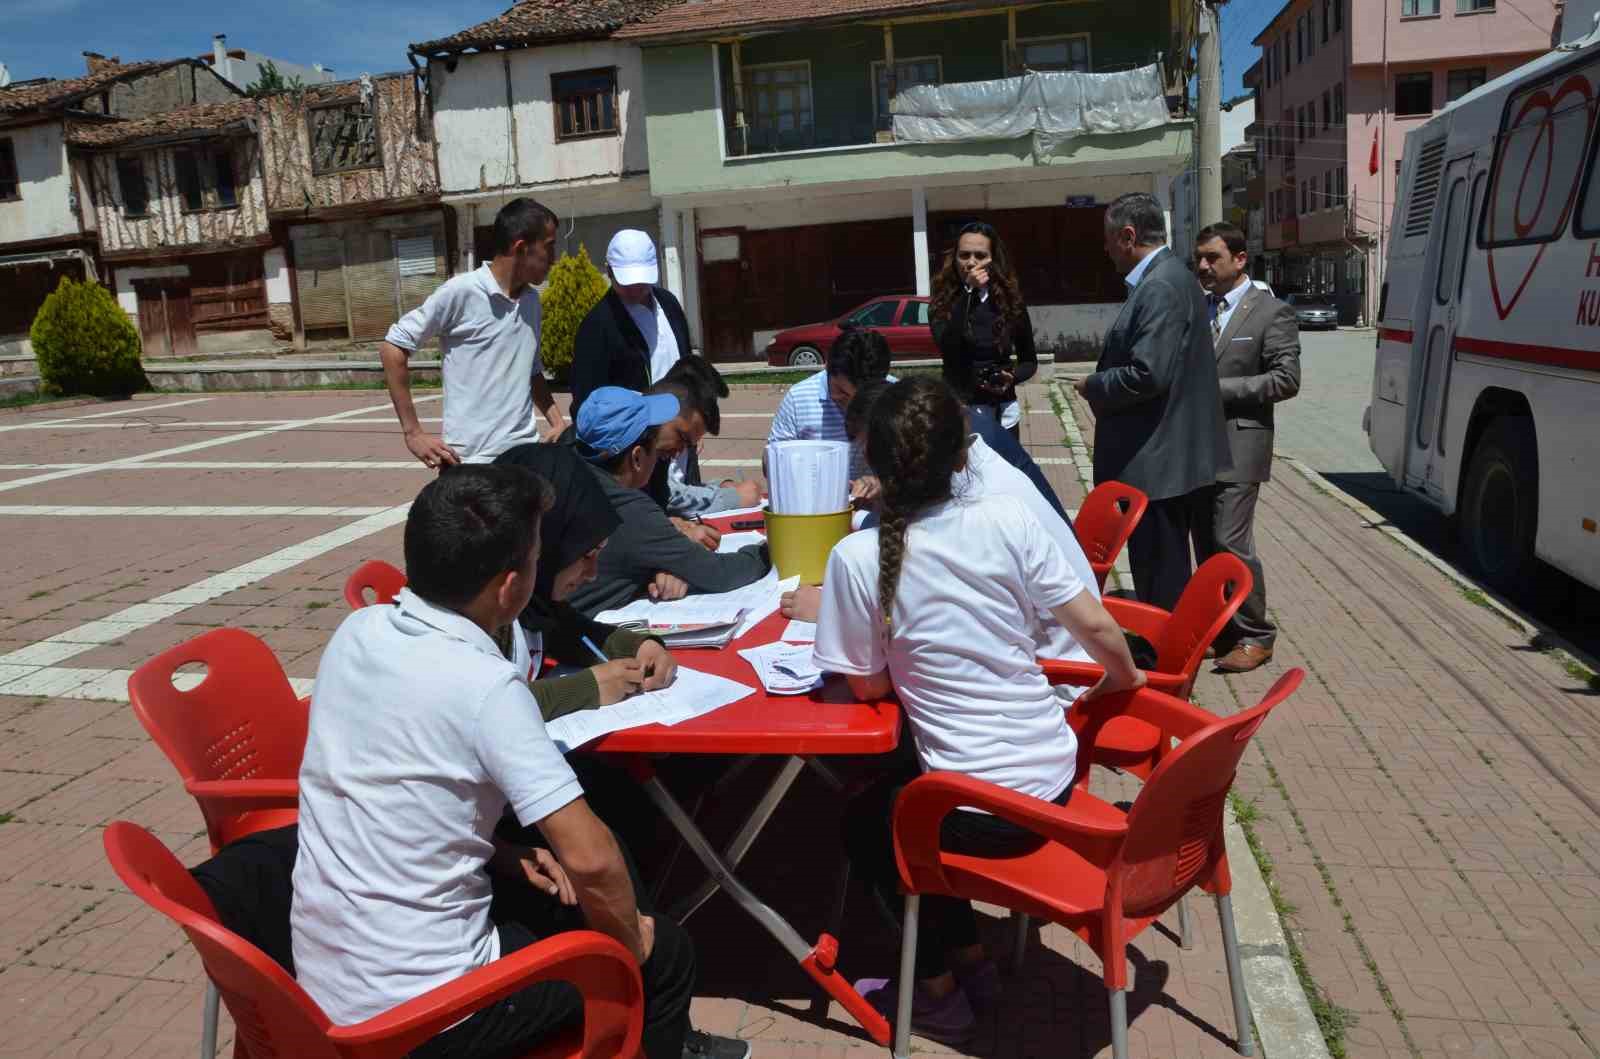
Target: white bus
{"points": [[1486, 387]]}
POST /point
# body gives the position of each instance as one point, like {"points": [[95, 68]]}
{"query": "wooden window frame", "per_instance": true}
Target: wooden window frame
{"points": [[557, 99], [878, 64], [311, 138], [1050, 38], [8, 154], [751, 111], [206, 158], [122, 187]]}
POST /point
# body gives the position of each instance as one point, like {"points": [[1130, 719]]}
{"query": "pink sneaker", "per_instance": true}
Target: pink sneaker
{"points": [[948, 1020]]}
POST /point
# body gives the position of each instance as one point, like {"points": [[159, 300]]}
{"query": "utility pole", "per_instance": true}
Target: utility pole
{"points": [[1208, 139]]}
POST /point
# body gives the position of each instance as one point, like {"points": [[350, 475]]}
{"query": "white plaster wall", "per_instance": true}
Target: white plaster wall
{"points": [[275, 267], [45, 210], [125, 277], [474, 126]]}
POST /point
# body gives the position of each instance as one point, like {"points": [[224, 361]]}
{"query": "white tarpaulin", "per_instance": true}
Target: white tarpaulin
{"points": [[1053, 106]]}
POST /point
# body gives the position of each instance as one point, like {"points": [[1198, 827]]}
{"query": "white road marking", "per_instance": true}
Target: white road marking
{"points": [[194, 446], [196, 424], [146, 511], [102, 685], [74, 642], [137, 409], [227, 465]]}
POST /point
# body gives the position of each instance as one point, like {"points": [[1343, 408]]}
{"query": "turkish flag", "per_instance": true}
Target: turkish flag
{"points": [[1372, 163]]}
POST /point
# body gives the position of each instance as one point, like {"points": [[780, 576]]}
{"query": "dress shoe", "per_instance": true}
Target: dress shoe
{"points": [[1244, 658]]}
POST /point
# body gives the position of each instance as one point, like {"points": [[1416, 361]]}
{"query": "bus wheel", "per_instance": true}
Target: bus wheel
{"points": [[1499, 512]]}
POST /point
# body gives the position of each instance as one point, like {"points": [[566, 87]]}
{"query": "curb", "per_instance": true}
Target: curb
{"points": [[1537, 634], [1285, 1028]]}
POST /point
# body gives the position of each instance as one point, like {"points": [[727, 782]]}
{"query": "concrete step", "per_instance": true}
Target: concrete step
{"points": [[273, 374], [11, 385]]}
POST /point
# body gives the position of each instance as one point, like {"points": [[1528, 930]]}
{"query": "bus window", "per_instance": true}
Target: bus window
{"points": [[1450, 249], [1539, 156], [1588, 224], [1474, 205]]}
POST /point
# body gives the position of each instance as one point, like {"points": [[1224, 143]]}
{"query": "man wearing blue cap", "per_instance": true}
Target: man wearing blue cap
{"points": [[618, 432]]}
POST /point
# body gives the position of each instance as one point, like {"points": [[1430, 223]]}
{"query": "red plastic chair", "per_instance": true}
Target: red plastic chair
{"points": [[236, 740], [384, 581], [275, 1017], [1104, 523], [1104, 875], [1213, 595]]}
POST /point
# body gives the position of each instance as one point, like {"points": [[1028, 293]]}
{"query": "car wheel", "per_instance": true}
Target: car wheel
{"points": [[1499, 511], [805, 357]]}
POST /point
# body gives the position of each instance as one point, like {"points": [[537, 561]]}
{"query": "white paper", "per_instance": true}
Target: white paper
{"points": [[784, 669], [759, 600], [732, 542], [692, 694], [808, 477], [800, 632]]}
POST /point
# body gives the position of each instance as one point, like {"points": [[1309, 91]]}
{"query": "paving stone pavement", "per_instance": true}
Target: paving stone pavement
{"points": [[1428, 800], [1463, 853]]}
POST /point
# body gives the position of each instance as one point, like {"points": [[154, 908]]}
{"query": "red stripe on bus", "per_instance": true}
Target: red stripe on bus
{"points": [[1554, 356], [1390, 334]]}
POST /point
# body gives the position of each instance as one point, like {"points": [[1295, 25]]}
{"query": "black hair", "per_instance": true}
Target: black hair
{"points": [[859, 413], [1140, 211], [647, 440], [1231, 234], [701, 384], [859, 354], [521, 219], [916, 435], [470, 525]]}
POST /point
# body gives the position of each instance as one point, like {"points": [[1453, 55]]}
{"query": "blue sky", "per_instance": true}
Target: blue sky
{"points": [[46, 38], [1241, 21]]}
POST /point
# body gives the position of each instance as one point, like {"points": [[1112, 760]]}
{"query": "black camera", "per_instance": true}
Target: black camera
{"points": [[990, 375]]}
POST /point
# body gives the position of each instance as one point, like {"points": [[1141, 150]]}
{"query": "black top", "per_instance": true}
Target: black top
{"points": [[967, 346]]}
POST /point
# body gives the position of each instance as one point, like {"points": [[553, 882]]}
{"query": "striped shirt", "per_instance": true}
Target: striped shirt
{"points": [[807, 413]]}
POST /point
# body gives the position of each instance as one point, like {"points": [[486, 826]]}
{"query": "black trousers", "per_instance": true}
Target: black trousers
{"points": [[944, 924], [1158, 551], [523, 916]]}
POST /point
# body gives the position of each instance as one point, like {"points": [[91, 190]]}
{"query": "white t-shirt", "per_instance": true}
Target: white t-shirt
{"points": [[489, 345], [421, 732], [659, 338], [988, 474], [978, 574]]}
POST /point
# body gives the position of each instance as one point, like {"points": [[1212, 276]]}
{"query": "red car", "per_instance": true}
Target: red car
{"points": [[900, 318]]}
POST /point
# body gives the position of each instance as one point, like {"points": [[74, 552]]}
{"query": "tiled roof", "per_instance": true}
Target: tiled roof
{"points": [[174, 124], [544, 21], [67, 90], [714, 17]]}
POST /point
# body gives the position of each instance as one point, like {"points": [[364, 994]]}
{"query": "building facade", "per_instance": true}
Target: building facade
{"points": [[787, 198], [1342, 82]]}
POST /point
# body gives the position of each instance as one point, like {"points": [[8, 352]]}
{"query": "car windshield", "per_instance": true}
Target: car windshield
{"points": [[1309, 301], [874, 314]]}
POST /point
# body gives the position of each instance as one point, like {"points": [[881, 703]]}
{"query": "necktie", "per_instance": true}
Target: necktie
{"points": [[1216, 301]]}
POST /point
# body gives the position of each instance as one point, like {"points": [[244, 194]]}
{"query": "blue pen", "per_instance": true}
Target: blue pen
{"points": [[597, 652]]}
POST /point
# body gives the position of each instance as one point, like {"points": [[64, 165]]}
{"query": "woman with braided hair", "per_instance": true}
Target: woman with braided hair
{"points": [[941, 604]]}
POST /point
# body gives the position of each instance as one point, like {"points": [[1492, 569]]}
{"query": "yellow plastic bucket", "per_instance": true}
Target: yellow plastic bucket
{"points": [[800, 544]]}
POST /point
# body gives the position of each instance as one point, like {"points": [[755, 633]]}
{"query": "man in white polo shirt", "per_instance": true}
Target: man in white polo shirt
{"points": [[487, 322], [422, 731]]}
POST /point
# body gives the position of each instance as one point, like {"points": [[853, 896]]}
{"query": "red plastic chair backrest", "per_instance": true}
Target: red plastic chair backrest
{"points": [[242, 721], [382, 579], [1105, 521], [272, 1015], [1175, 826], [1212, 596]]}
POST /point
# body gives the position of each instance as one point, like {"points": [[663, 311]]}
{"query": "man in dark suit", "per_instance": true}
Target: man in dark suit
{"points": [[1157, 406], [1257, 345]]}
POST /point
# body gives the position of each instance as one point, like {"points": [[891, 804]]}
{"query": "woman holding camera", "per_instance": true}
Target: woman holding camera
{"points": [[985, 336]]}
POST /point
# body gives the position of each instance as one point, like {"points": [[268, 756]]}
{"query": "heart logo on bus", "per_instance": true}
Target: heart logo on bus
{"points": [[1543, 101]]}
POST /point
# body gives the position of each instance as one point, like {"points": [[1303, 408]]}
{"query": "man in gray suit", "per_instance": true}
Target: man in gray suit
{"points": [[1157, 406], [1258, 362]]}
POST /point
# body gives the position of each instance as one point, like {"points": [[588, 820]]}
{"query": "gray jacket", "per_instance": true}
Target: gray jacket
{"points": [[1157, 406], [1258, 365], [646, 544]]}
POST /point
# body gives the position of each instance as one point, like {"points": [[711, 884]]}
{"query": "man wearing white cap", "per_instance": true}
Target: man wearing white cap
{"points": [[632, 338]]}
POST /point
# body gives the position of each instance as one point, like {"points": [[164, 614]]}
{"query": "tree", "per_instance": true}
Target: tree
{"points": [[270, 82], [84, 342], [575, 287]]}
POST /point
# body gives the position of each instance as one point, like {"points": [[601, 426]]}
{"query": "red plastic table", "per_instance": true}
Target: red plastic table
{"points": [[798, 728]]}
